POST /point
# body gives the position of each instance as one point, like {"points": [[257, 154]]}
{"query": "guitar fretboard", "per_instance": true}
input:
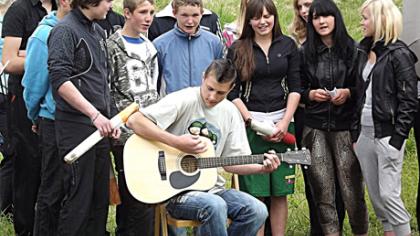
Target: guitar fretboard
{"points": [[212, 162]]}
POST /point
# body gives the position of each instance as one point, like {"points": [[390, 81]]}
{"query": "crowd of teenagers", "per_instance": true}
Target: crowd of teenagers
{"points": [[69, 66]]}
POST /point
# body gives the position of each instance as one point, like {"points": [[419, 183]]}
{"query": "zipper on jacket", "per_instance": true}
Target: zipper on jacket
{"points": [[331, 83], [370, 79], [189, 61], [392, 116]]}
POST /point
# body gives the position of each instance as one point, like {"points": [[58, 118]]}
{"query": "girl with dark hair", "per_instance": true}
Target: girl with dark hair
{"points": [[297, 30], [328, 90], [267, 91]]}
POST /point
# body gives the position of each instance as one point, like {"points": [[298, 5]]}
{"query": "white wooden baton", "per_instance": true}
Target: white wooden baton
{"points": [[116, 122]]}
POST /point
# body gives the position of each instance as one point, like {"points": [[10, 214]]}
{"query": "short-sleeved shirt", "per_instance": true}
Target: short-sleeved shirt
{"points": [[20, 20], [184, 112]]}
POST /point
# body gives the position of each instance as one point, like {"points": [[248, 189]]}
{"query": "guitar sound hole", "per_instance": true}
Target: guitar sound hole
{"points": [[189, 164]]}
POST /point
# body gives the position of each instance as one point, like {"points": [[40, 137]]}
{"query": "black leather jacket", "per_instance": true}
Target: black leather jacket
{"points": [[329, 72], [394, 89]]}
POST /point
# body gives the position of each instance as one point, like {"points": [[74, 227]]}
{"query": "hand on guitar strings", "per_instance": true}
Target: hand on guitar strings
{"points": [[271, 162], [191, 144]]}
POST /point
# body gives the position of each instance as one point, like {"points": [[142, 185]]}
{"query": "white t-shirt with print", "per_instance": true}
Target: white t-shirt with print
{"points": [[185, 112]]}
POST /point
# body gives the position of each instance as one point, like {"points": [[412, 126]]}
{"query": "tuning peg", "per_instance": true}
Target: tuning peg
{"points": [[288, 150], [296, 149], [303, 148], [305, 167], [290, 166]]}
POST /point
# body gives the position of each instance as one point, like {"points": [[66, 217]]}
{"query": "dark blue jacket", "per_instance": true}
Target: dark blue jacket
{"points": [[77, 53]]}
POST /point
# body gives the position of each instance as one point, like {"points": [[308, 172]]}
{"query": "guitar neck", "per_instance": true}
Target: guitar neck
{"points": [[213, 162]]}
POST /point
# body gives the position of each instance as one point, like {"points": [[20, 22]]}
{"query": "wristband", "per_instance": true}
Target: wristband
{"points": [[248, 122], [96, 117]]}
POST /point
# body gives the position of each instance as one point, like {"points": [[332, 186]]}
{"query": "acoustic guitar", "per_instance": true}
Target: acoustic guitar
{"points": [[155, 172]]}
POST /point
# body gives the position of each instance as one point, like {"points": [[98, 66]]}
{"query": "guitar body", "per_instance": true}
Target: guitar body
{"points": [[155, 172]]}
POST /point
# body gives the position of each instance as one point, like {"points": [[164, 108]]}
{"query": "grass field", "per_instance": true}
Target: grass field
{"points": [[298, 223]]}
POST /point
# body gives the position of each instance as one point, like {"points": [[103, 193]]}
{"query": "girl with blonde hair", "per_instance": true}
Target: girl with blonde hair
{"points": [[232, 31], [298, 27], [386, 111]]}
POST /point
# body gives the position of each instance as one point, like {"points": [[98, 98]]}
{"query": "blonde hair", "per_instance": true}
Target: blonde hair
{"points": [[4, 5], [241, 17], [386, 20], [297, 28]]}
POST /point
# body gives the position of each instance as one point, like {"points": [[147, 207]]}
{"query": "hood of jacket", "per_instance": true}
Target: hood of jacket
{"points": [[50, 19], [381, 49]]}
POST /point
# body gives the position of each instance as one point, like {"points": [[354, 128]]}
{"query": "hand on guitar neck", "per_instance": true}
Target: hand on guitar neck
{"points": [[271, 162], [195, 144]]}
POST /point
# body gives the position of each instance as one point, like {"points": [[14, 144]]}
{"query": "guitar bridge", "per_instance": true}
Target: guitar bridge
{"points": [[162, 165]]}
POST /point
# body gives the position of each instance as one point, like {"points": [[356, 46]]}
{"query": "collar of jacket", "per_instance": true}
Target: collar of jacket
{"points": [[81, 17], [181, 33], [276, 40], [381, 50], [379, 47], [118, 40], [321, 48]]}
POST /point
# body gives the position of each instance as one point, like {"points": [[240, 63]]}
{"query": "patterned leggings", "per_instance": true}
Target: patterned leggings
{"points": [[332, 156]]}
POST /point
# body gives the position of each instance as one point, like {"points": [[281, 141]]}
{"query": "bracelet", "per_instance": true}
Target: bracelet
{"points": [[248, 122], [96, 117]]}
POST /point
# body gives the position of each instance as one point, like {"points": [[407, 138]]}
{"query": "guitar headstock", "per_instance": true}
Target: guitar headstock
{"points": [[302, 157]]}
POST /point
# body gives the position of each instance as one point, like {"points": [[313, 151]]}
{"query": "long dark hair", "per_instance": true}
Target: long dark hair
{"points": [[343, 43], [244, 54]]}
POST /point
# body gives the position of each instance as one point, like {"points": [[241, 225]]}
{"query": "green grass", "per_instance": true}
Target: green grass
{"points": [[298, 222], [227, 11]]}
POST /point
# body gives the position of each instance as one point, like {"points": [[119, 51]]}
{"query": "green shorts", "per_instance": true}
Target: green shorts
{"points": [[278, 183]]}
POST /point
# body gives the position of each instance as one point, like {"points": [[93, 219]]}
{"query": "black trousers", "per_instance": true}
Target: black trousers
{"points": [[6, 165], [24, 150], [417, 138], [86, 182], [133, 217], [316, 230], [6, 174], [50, 193]]}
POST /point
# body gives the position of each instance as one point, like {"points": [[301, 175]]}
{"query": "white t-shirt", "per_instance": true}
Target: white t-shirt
{"points": [[367, 117], [185, 112]]}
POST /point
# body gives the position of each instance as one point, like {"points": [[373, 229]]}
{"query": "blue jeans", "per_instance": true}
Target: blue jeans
{"points": [[247, 213]]}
